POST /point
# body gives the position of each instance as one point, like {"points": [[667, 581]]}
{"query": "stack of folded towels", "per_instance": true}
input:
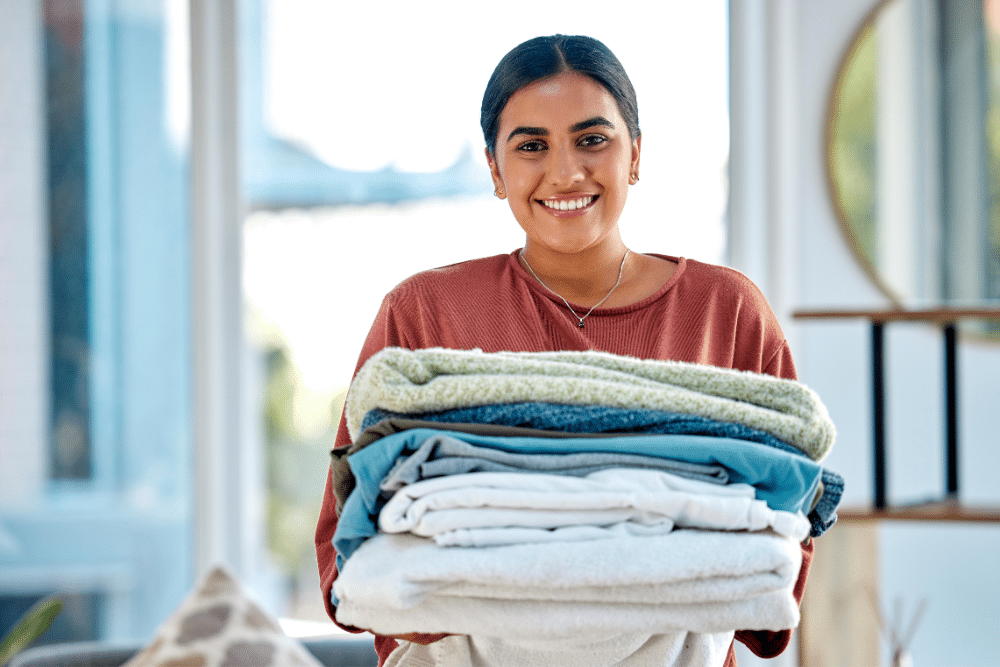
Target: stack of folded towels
{"points": [[545, 496]]}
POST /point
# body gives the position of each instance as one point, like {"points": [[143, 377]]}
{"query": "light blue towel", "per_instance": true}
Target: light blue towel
{"points": [[605, 419], [785, 481]]}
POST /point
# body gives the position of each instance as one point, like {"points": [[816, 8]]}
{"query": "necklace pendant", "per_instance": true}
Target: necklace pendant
{"points": [[621, 269]]}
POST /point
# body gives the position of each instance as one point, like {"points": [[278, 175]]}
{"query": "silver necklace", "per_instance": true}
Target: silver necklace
{"points": [[621, 269]]}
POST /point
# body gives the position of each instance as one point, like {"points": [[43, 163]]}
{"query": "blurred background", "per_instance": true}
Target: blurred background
{"points": [[202, 205]]}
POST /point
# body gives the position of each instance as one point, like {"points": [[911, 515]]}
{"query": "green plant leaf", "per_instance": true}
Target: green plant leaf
{"points": [[31, 626]]}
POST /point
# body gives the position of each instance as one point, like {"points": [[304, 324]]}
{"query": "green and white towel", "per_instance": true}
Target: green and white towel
{"points": [[428, 380]]}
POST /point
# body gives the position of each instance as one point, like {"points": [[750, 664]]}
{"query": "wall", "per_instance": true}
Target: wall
{"points": [[122, 535], [948, 564], [23, 382]]}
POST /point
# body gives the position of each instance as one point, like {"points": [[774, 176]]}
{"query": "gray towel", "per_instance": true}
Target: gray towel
{"points": [[444, 455]]}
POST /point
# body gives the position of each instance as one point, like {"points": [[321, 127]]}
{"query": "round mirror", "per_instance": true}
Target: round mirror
{"points": [[913, 149]]}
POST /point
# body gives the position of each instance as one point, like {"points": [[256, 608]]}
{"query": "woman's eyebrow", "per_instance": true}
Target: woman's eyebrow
{"points": [[530, 131], [592, 122]]}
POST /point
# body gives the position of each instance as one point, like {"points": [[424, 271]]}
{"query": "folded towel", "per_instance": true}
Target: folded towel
{"points": [[645, 497], [685, 566], [540, 620], [495, 537], [343, 478], [412, 381], [702, 581], [580, 419], [785, 481], [438, 457]]}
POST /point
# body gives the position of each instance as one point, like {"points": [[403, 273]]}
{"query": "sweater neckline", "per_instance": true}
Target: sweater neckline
{"points": [[534, 286]]}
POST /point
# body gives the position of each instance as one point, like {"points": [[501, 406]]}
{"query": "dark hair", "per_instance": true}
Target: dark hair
{"points": [[543, 57]]}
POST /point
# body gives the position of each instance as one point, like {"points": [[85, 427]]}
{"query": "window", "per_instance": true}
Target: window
{"points": [[103, 517], [65, 101]]}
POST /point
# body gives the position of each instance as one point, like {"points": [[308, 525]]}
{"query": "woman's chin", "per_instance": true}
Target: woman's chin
{"points": [[567, 247]]}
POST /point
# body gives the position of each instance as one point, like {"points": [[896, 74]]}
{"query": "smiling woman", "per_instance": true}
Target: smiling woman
{"points": [[562, 140]]}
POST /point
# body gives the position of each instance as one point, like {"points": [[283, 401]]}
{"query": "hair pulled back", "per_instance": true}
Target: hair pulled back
{"points": [[543, 57]]}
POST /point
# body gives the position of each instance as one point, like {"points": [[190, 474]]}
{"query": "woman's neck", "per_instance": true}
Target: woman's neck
{"points": [[582, 278]]}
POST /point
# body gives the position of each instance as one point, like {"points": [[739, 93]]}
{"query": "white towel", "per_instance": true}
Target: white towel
{"points": [[537, 621], [495, 537], [702, 581], [646, 497], [682, 566], [412, 381]]}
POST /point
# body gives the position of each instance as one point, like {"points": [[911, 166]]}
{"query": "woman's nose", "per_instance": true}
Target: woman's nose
{"points": [[565, 167]]}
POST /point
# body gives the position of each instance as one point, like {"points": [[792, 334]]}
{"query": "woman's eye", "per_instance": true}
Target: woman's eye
{"points": [[532, 146], [592, 140]]}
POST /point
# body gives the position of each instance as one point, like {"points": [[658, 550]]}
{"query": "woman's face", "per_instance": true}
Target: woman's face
{"points": [[563, 160]]}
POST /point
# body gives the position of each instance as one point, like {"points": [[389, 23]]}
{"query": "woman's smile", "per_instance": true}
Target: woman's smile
{"points": [[563, 207]]}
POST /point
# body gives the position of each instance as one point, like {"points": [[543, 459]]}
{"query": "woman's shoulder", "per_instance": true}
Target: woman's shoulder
{"points": [[465, 275], [735, 305], [720, 280], [698, 270], [720, 292]]}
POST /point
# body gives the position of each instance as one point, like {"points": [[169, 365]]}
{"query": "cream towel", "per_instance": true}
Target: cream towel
{"points": [[702, 581], [685, 566], [518, 620], [646, 497], [409, 381], [495, 537]]}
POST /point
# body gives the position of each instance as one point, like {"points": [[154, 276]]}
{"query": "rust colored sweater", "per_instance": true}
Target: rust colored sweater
{"points": [[704, 314]]}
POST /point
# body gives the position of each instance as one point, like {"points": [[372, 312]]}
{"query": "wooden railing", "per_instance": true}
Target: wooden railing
{"points": [[949, 508]]}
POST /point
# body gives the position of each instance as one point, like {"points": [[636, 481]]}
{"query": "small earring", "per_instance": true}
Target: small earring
{"points": [[633, 178], [498, 193]]}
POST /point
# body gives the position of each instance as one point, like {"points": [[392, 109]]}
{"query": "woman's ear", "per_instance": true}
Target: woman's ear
{"points": [[498, 190], [636, 149]]}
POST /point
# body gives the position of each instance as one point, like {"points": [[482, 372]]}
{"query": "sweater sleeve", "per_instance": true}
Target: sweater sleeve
{"points": [[385, 332], [781, 364], [764, 643], [380, 335]]}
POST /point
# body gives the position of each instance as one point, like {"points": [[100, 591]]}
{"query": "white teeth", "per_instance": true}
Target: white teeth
{"points": [[569, 204]]}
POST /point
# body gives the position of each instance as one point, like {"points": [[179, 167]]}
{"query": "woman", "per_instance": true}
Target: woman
{"points": [[560, 120]]}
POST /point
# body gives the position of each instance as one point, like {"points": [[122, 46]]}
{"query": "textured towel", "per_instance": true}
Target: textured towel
{"points": [[579, 419], [645, 497], [531, 619], [412, 381], [711, 582], [683, 567]]}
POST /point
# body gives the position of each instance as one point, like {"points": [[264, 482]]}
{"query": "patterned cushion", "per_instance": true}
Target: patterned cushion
{"points": [[217, 625]]}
